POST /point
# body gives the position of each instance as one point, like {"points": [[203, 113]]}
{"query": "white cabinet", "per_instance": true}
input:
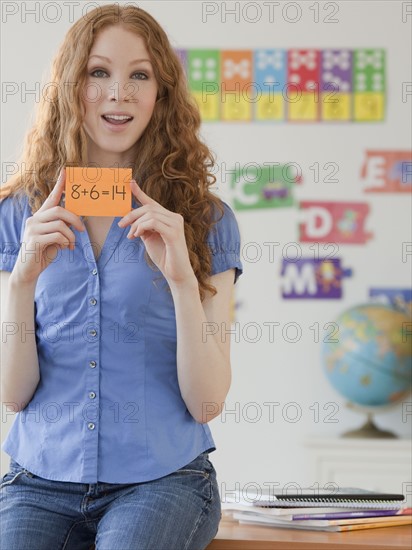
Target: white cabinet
{"points": [[373, 464]]}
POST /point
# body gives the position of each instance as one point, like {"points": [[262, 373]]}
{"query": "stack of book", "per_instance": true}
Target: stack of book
{"points": [[344, 509]]}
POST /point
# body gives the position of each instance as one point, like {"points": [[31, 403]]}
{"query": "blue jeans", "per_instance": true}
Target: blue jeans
{"points": [[180, 511]]}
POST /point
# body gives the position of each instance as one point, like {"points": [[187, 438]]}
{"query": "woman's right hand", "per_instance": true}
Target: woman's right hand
{"points": [[46, 232]]}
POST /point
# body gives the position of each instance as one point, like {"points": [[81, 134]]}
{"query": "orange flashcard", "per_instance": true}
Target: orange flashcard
{"points": [[92, 191]]}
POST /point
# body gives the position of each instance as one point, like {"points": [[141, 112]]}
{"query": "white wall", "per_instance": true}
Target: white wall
{"points": [[280, 371]]}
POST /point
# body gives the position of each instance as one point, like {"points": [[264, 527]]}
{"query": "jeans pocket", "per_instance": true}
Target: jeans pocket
{"points": [[10, 477], [200, 465], [197, 477], [14, 473]]}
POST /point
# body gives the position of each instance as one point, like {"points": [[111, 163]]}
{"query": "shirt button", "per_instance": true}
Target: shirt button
{"points": [[93, 301], [94, 272], [92, 364], [93, 332], [90, 425], [92, 395]]}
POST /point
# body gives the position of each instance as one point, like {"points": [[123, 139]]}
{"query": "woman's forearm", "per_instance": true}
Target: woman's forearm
{"points": [[203, 372], [20, 373]]}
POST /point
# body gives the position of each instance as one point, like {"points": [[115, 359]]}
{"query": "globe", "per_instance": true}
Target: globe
{"points": [[369, 358]]}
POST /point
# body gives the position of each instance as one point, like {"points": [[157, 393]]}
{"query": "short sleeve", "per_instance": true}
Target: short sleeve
{"points": [[13, 212], [224, 243]]}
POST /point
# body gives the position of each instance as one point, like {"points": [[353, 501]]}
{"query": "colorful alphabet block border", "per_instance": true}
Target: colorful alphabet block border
{"points": [[296, 85]]}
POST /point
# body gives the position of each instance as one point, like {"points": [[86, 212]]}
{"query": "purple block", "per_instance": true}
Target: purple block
{"points": [[310, 278], [336, 71], [182, 55]]}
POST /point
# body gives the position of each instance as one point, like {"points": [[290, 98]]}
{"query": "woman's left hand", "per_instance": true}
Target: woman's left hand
{"points": [[162, 233]]}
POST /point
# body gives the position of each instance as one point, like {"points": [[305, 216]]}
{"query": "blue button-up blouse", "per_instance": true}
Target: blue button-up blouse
{"points": [[108, 406]]}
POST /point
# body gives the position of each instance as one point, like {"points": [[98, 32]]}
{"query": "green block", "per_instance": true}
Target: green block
{"points": [[262, 187], [369, 70], [203, 67]]}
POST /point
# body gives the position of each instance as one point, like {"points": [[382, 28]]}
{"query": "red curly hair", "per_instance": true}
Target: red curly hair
{"points": [[173, 166]]}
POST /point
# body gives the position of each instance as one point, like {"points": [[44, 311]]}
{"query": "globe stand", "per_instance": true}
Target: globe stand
{"points": [[369, 430]]}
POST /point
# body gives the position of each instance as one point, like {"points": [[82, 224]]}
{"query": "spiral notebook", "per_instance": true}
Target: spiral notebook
{"points": [[342, 497]]}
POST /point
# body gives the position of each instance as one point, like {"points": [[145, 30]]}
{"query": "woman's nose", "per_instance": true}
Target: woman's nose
{"points": [[117, 91], [123, 91]]}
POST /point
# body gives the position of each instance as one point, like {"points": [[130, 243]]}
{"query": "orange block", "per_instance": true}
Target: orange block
{"points": [[237, 69], [92, 191]]}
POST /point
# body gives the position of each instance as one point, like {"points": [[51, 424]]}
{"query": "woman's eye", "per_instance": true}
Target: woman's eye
{"points": [[100, 72], [141, 76], [93, 73]]}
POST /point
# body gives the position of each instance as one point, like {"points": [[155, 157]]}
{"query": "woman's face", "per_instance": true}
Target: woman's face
{"points": [[120, 80]]}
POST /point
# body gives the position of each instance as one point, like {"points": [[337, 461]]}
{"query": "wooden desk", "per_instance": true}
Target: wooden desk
{"points": [[232, 536]]}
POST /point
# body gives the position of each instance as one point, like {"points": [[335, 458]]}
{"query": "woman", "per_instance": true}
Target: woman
{"points": [[133, 330]]}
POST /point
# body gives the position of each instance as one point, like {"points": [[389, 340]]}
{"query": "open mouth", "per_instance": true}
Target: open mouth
{"points": [[117, 120]]}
